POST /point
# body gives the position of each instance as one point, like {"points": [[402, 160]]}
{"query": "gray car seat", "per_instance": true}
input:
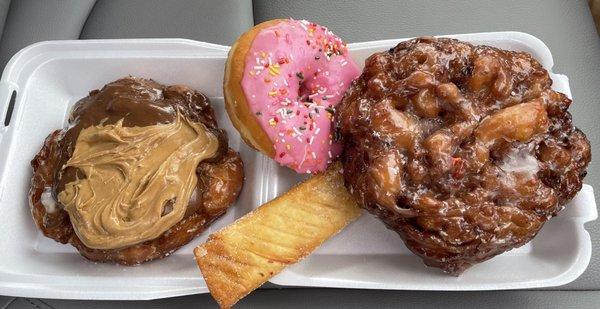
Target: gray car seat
{"points": [[30, 21], [565, 26]]}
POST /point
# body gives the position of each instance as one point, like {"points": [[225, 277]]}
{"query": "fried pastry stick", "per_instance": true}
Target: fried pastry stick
{"points": [[242, 256]]}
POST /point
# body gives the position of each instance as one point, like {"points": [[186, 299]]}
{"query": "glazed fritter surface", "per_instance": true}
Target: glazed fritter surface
{"points": [[465, 151]]}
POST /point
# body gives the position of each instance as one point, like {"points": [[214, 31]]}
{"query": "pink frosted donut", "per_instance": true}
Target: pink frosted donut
{"points": [[294, 74]]}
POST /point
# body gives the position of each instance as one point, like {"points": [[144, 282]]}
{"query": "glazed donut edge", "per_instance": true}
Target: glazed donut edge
{"points": [[236, 104]]}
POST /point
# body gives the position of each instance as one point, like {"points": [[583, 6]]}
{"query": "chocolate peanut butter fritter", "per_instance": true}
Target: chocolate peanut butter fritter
{"points": [[140, 171], [465, 151]]}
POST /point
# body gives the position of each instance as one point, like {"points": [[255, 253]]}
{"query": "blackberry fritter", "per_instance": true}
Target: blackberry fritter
{"points": [[465, 151]]}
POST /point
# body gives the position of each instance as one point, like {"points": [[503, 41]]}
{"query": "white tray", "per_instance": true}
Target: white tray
{"points": [[49, 77]]}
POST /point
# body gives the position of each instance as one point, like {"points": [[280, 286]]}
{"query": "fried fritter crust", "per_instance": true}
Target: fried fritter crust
{"points": [[464, 150], [139, 102]]}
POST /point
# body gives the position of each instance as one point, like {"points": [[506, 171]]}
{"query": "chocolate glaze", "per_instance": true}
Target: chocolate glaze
{"points": [[139, 102]]}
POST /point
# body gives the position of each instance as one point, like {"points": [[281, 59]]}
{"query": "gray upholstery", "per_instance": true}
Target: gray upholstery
{"points": [[30, 21], [219, 22], [566, 26], [4, 5]]}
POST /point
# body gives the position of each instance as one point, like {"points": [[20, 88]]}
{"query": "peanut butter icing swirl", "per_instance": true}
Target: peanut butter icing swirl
{"points": [[137, 180]]}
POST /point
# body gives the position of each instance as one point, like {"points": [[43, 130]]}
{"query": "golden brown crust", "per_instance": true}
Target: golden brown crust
{"points": [[235, 100], [465, 151], [55, 225], [244, 255]]}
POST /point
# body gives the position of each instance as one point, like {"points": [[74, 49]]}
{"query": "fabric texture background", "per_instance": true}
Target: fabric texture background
{"points": [[567, 27]]}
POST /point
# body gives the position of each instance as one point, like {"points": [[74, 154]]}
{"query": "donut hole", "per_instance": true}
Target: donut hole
{"points": [[304, 91], [305, 87]]}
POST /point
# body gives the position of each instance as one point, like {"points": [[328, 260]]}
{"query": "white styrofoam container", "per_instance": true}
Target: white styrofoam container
{"points": [[49, 77]]}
